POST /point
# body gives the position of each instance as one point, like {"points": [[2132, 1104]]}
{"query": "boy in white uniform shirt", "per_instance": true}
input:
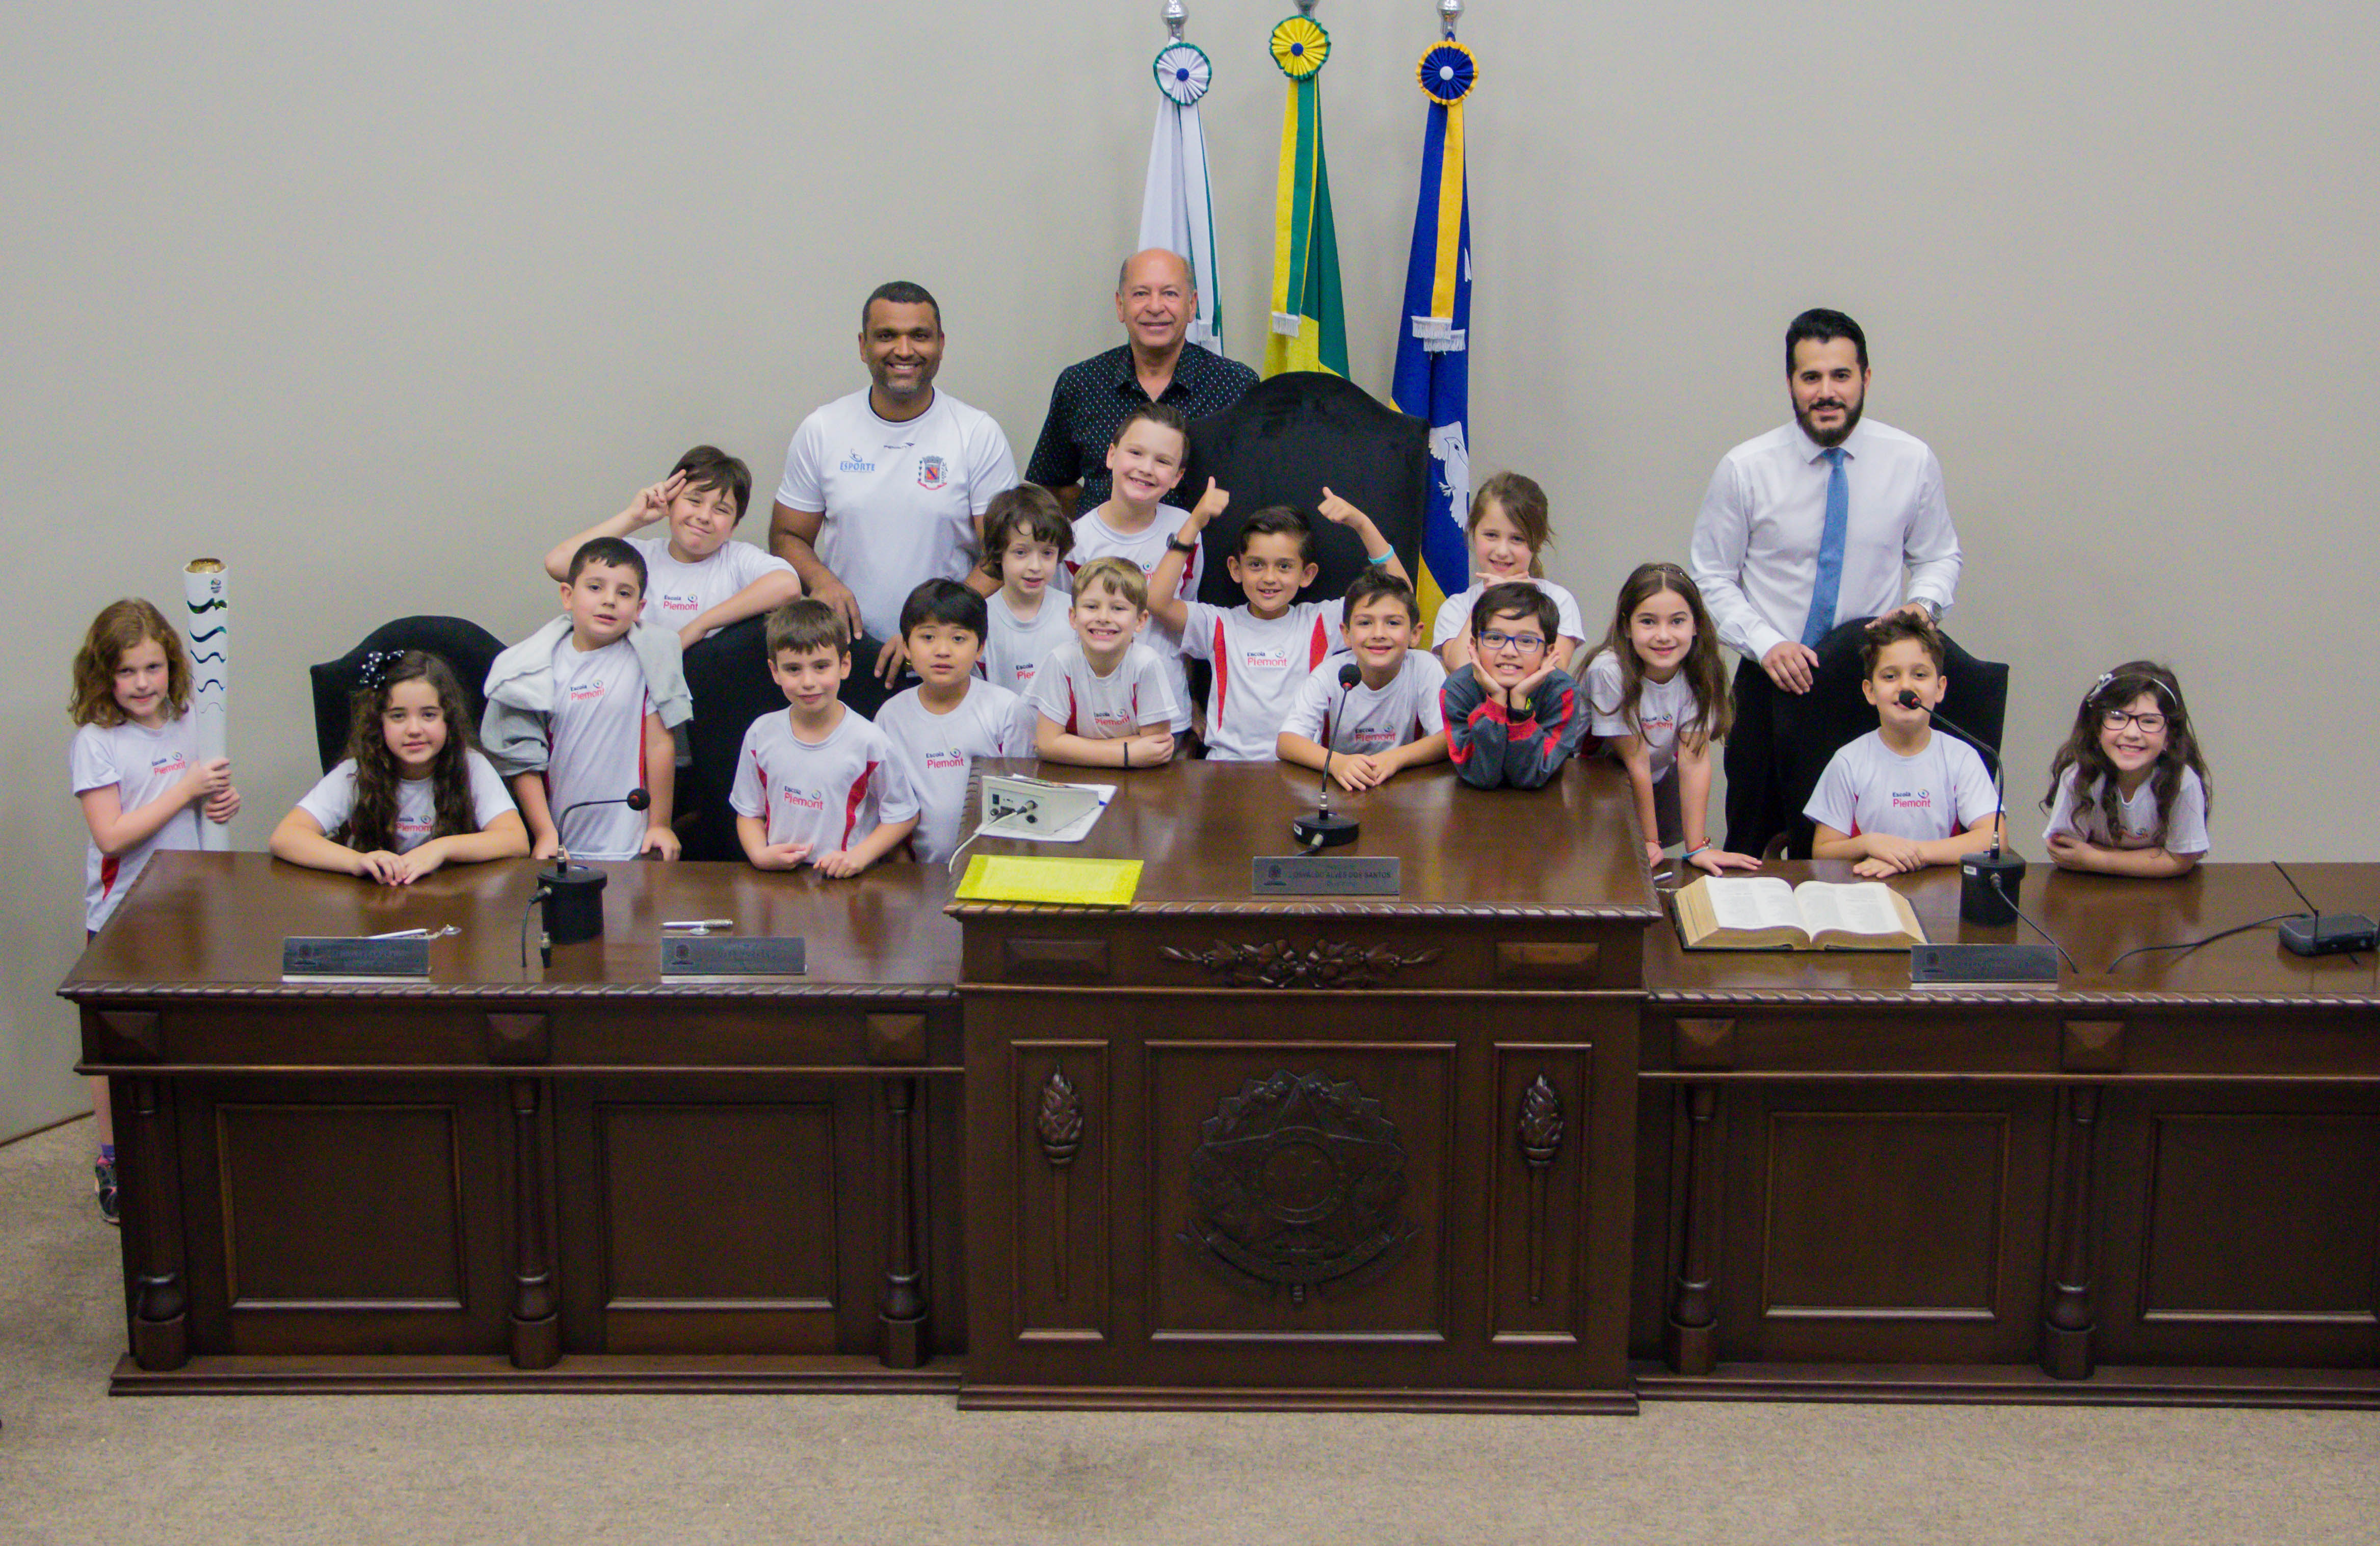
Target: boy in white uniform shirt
{"points": [[1104, 699], [1901, 798], [1391, 719], [1025, 539], [952, 716], [697, 579], [1146, 459], [581, 711], [817, 784], [1263, 650]]}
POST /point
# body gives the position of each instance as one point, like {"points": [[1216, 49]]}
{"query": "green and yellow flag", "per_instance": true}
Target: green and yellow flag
{"points": [[1310, 328]]}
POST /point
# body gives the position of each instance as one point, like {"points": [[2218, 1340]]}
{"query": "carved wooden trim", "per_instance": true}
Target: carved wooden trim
{"points": [[2093, 1046], [517, 992], [896, 1038], [1692, 1339], [1804, 998], [1609, 912], [2066, 1349], [1328, 964], [1548, 961], [536, 1323], [515, 1039], [1704, 1044], [134, 1031], [1541, 1132], [903, 1316], [1059, 1126]]}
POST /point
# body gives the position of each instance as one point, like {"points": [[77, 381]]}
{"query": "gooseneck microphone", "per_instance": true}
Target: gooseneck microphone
{"points": [[573, 893], [1325, 828], [1987, 881]]}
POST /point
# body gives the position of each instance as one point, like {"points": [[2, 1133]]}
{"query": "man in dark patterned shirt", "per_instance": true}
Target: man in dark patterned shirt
{"points": [[1155, 302]]}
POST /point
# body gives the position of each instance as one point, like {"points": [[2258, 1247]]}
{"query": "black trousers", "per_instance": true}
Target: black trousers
{"points": [[1758, 751]]}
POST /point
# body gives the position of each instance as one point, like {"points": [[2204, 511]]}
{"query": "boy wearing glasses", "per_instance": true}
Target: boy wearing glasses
{"points": [[1900, 796], [1514, 715]]}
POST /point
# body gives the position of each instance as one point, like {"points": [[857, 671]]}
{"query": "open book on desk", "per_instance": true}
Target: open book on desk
{"points": [[1762, 913]]}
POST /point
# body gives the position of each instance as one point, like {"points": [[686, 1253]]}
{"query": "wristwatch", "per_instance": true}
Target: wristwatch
{"points": [[1932, 611], [1181, 547]]}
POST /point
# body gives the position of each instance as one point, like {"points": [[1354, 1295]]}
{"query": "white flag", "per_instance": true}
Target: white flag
{"points": [[1177, 211]]}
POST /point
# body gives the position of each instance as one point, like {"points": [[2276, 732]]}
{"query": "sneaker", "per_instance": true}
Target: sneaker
{"points": [[104, 1182]]}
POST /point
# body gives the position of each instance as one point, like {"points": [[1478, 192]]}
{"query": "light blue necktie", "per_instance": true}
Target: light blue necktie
{"points": [[1830, 583]]}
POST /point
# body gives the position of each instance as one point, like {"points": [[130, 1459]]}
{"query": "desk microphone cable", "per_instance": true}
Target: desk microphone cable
{"points": [[540, 894], [1998, 883], [2208, 939]]}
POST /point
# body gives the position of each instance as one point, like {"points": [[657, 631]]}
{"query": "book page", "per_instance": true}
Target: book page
{"points": [[1864, 907], [1751, 903]]}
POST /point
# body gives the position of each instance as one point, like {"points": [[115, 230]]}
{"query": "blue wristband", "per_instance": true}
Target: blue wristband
{"points": [[1385, 557]]}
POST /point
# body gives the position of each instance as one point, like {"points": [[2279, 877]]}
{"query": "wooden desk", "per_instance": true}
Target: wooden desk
{"points": [[1339, 1152], [582, 1176], [2156, 1184]]}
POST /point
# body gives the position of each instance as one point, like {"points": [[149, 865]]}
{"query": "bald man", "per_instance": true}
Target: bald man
{"points": [[1155, 301]]}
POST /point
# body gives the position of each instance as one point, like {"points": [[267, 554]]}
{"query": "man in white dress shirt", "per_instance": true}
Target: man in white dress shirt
{"points": [[886, 487], [1817, 522]]}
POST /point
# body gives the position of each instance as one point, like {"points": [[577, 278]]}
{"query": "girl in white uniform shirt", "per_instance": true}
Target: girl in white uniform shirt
{"points": [[2128, 791], [413, 793], [1510, 525], [1658, 691], [136, 771]]}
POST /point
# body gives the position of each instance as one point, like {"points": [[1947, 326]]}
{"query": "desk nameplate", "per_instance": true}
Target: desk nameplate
{"points": [[734, 957], [1325, 875], [338, 958]]}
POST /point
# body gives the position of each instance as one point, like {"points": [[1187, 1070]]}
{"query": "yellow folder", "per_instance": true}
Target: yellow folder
{"points": [[1080, 883]]}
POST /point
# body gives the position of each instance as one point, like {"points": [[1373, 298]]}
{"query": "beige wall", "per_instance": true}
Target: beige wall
{"points": [[375, 302]]}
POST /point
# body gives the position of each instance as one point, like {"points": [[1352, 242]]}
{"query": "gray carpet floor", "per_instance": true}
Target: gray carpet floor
{"points": [[77, 1466]]}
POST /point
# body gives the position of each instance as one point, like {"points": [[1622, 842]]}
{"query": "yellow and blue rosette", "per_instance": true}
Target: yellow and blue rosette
{"points": [[1299, 46], [1447, 72], [1184, 72]]}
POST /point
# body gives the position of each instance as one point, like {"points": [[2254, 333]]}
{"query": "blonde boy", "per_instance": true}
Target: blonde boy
{"points": [[1105, 700]]}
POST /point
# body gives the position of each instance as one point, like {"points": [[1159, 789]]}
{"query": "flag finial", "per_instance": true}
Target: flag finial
{"points": [[1175, 14], [1449, 13]]}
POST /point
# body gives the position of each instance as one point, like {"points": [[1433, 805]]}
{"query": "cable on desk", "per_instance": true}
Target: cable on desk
{"points": [[2192, 944], [1999, 888], [540, 894]]}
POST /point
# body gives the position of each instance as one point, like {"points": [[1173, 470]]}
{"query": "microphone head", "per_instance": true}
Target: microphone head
{"points": [[1907, 699], [1350, 674], [638, 799]]}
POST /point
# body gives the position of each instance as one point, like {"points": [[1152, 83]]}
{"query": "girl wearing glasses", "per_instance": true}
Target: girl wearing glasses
{"points": [[2128, 791]]}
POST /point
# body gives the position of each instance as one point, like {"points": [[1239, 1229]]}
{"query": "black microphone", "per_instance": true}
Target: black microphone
{"points": [[1987, 881], [1325, 829], [573, 893]]}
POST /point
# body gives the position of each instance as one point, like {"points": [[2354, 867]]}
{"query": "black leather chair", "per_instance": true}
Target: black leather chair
{"points": [[465, 646], [1281, 444], [1835, 712], [728, 677]]}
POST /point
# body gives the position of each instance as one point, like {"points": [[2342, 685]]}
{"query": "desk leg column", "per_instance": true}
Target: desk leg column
{"points": [[160, 1336], [903, 1316], [1692, 1343], [536, 1326], [2066, 1333]]}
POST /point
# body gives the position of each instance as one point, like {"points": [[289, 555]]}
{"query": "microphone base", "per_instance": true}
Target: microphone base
{"points": [[1325, 829], [574, 906], [1988, 887]]}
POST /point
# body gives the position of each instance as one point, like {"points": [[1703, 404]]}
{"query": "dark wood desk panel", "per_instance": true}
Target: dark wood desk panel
{"points": [[583, 1175], [1354, 1152], [2159, 1181]]}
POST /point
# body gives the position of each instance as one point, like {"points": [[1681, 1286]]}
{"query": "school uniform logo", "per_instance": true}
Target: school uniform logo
{"points": [[1918, 799], [1365, 740], [933, 473], [681, 604], [588, 693], [797, 798], [944, 762], [171, 762], [1259, 657]]}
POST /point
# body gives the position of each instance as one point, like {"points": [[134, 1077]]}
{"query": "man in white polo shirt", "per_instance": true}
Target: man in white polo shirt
{"points": [[886, 487]]}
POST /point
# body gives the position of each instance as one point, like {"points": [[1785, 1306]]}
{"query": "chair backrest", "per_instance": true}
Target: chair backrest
{"points": [[1286, 441], [465, 646], [728, 677], [1834, 713]]}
